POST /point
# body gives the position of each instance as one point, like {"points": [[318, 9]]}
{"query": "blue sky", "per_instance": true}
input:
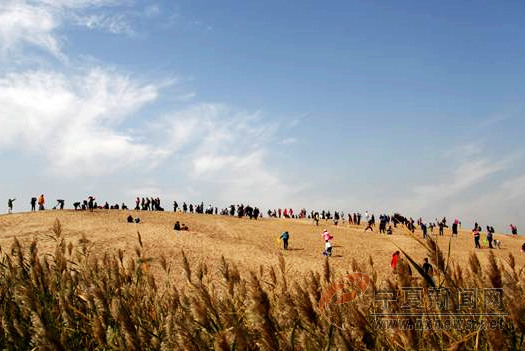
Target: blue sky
{"points": [[350, 106]]}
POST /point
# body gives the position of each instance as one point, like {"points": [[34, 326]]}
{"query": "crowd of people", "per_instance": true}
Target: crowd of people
{"points": [[386, 222]]}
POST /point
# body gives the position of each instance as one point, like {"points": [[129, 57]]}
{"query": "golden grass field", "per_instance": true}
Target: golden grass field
{"points": [[249, 243], [93, 283]]}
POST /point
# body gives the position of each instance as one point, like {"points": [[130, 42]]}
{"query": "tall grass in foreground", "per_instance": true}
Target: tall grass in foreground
{"points": [[74, 300]]}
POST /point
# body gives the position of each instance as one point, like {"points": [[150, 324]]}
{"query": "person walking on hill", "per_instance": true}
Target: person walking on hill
{"points": [[490, 236], [393, 262], [514, 229], [41, 202], [424, 229], [91, 203], [326, 235], [382, 224], [10, 205], [427, 267], [455, 228], [476, 235], [284, 237], [327, 248], [370, 222]]}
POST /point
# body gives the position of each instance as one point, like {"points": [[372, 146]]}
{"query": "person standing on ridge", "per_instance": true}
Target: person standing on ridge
{"points": [[490, 236], [41, 202], [455, 228], [91, 203], [424, 229], [33, 204], [476, 235], [10, 205]]}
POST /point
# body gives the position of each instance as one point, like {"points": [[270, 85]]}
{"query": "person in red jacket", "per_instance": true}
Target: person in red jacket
{"points": [[395, 258]]}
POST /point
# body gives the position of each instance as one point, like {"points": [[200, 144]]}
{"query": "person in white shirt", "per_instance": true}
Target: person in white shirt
{"points": [[327, 248]]}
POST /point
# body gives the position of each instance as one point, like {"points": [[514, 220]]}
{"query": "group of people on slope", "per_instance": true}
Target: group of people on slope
{"points": [[148, 204], [327, 237]]}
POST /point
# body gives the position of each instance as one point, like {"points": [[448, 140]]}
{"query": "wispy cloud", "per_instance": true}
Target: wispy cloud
{"points": [[152, 10], [73, 121], [227, 148], [502, 205], [116, 24], [288, 141], [187, 97], [297, 120], [464, 173], [36, 22], [21, 22], [499, 118]]}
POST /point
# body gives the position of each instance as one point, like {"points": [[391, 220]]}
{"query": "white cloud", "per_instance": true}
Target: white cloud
{"points": [[116, 24], [289, 141], [145, 190], [502, 206], [152, 10], [24, 23], [514, 188], [228, 149], [35, 22], [462, 178], [296, 121], [462, 190], [187, 97], [73, 121]]}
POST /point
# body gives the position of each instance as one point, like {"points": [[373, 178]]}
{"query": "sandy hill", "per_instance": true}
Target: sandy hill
{"points": [[247, 242]]}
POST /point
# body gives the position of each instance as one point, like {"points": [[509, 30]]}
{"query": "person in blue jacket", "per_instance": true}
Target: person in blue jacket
{"points": [[284, 237]]}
